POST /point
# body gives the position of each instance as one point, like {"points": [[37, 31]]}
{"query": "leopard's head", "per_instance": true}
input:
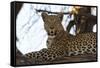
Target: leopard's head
{"points": [[52, 23]]}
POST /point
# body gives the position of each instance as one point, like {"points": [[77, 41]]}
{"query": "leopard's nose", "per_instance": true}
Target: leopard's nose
{"points": [[51, 27], [51, 31]]}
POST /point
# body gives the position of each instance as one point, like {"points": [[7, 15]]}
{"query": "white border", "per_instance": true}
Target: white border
{"points": [[5, 34]]}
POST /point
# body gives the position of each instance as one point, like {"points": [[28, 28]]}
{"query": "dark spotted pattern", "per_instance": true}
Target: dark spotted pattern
{"points": [[60, 44]]}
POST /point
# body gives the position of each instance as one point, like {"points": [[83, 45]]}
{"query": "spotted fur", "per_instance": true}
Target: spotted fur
{"points": [[60, 44]]}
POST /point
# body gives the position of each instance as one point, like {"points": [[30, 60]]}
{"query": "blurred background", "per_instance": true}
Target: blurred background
{"points": [[31, 35]]}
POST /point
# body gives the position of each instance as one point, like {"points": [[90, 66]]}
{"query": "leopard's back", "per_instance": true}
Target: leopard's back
{"points": [[81, 44]]}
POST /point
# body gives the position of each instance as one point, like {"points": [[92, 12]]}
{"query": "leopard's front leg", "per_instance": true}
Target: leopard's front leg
{"points": [[44, 55]]}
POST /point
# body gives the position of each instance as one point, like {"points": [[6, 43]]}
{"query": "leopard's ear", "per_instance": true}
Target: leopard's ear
{"points": [[60, 15], [44, 16]]}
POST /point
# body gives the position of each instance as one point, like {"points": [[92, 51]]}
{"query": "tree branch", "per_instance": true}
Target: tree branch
{"points": [[52, 12]]}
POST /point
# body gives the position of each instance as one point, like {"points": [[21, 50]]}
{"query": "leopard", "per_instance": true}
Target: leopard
{"points": [[60, 43]]}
